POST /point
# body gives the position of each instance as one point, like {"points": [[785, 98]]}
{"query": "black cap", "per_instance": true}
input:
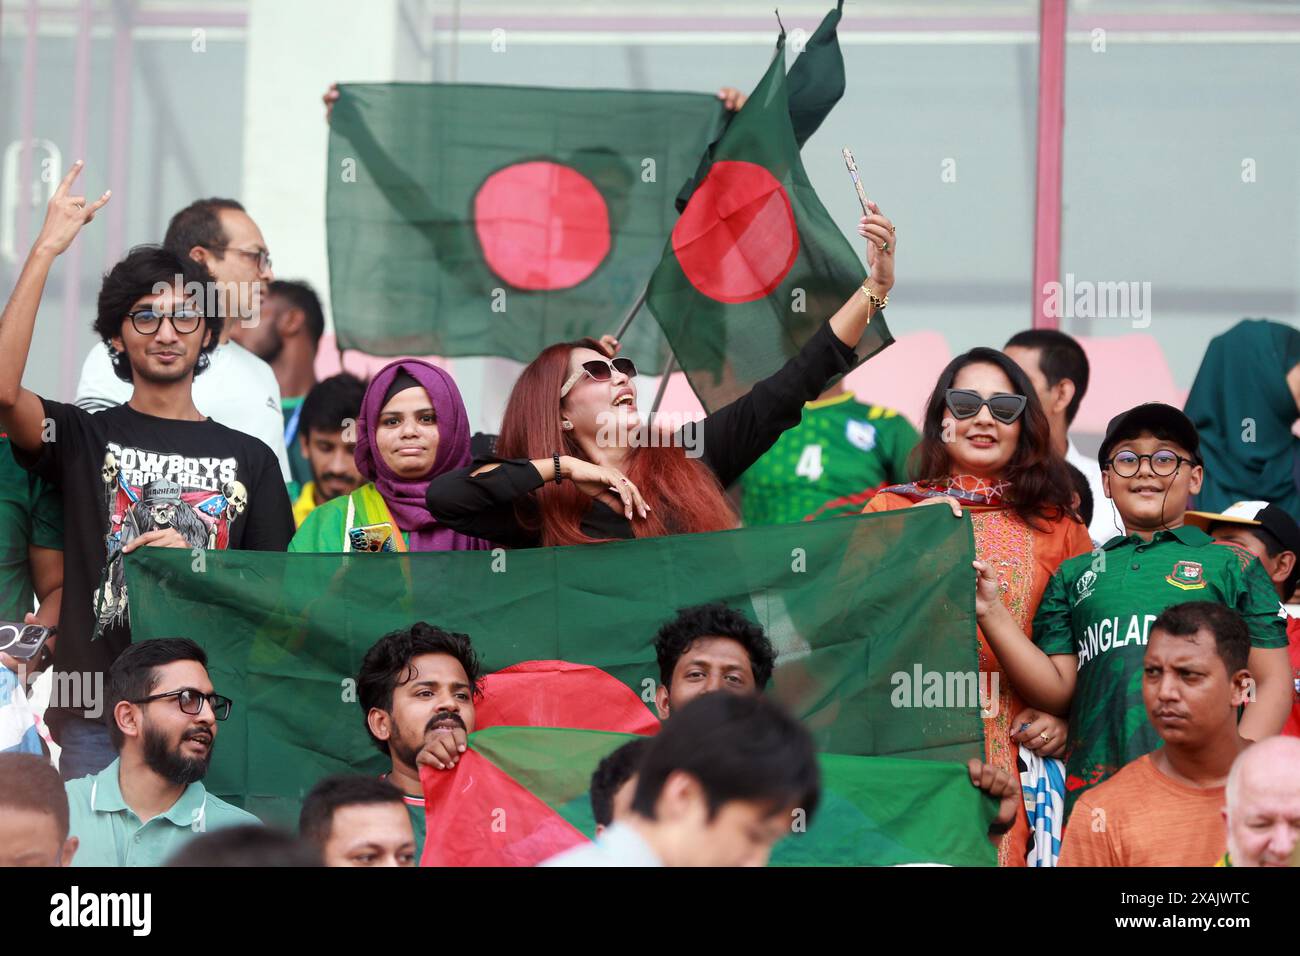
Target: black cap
{"points": [[1152, 417], [1257, 514]]}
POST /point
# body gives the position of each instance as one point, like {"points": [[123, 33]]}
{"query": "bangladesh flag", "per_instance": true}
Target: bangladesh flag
{"points": [[495, 220], [520, 795], [755, 264], [865, 612]]}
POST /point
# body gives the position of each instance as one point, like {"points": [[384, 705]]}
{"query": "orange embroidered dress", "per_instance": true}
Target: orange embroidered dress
{"points": [[1025, 558]]}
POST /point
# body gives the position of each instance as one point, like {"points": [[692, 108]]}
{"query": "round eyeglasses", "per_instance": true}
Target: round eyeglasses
{"points": [[1163, 463]]}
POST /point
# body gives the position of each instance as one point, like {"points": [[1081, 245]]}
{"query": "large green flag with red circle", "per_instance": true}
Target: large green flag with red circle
{"points": [[868, 614], [467, 219], [755, 263]]}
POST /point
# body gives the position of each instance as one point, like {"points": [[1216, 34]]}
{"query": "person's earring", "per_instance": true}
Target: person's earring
{"points": [[566, 425]]}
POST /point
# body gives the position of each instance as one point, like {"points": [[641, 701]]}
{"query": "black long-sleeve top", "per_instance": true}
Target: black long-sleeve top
{"points": [[731, 439]]}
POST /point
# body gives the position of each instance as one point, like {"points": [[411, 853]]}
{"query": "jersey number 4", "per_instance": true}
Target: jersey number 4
{"points": [[810, 463]]}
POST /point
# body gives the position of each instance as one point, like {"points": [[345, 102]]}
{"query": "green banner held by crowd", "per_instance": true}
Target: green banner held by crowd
{"points": [[859, 609]]}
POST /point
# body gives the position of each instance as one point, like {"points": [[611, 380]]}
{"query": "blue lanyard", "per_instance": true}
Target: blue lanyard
{"points": [[291, 426]]}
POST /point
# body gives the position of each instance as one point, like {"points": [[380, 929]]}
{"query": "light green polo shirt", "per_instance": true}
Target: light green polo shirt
{"points": [[1102, 610], [112, 835]]}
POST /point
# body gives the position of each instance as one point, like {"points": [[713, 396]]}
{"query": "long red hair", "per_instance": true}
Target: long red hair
{"points": [[683, 494]]}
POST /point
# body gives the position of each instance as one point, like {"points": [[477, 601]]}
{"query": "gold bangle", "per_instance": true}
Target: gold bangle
{"points": [[877, 303]]}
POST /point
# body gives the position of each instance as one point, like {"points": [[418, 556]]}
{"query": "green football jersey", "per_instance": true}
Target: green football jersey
{"points": [[828, 464], [1100, 607]]}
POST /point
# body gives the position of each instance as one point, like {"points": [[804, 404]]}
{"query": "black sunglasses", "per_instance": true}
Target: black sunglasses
{"points": [[191, 702], [964, 403], [600, 370]]}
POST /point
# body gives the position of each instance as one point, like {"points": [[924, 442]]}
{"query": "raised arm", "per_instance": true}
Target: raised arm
{"points": [[851, 320], [737, 435], [21, 411]]}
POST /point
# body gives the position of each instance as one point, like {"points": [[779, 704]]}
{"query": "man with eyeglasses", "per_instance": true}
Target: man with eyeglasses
{"points": [[239, 389], [162, 717], [1092, 625], [154, 472]]}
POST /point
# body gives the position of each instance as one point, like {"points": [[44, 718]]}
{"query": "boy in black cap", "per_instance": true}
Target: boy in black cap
{"points": [[1272, 535], [1091, 626]]}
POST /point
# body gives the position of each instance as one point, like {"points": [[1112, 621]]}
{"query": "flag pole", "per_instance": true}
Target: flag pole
{"points": [[663, 381], [672, 357], [636, 307]]}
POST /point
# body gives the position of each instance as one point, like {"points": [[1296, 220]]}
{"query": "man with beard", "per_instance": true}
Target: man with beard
{"points": [[161, 338], [162, 718], [417, 688]]}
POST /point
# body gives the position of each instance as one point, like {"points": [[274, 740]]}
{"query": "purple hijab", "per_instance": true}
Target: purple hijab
{"points": [[405, 497]]}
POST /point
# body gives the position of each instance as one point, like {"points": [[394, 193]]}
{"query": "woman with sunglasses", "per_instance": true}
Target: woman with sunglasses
{"points": [[413, 427], [986, 445], [569, 469]]}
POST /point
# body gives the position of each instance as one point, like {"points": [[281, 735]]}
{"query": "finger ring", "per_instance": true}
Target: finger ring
{"points": [[1045, 736], [892, 230], [884, 247]]}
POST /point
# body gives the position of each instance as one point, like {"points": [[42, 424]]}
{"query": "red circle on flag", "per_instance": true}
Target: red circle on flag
{"points": [[541, 225], [737, 238]]}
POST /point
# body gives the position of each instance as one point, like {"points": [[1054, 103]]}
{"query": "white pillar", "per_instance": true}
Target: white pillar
{"points": [[296, 48]]}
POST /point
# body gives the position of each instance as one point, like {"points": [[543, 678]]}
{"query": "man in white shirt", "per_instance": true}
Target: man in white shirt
{"points": [[1058, 367], [238, 390]]}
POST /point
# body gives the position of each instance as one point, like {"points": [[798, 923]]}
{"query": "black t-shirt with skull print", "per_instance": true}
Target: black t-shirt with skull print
{"points": [[123, 473]]}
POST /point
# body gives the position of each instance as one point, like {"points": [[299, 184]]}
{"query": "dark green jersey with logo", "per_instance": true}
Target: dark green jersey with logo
{"points": [[829, 464], [1100, 606]]}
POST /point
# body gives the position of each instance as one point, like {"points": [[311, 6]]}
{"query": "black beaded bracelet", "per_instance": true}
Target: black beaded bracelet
{"points": [[556, 458]]}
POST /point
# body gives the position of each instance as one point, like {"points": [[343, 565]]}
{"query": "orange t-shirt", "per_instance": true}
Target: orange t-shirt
{"points": [[1141, 817]]}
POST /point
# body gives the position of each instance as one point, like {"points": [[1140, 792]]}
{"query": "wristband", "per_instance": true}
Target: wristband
{"points": [[556, 458]]}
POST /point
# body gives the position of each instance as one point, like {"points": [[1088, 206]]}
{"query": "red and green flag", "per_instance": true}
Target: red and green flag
{"points": [[521, 795], [468, 219], [865, 613], [755, 263]]}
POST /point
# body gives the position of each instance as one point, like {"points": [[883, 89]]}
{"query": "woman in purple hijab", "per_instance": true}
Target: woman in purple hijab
{"points": [[412, 427]]}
